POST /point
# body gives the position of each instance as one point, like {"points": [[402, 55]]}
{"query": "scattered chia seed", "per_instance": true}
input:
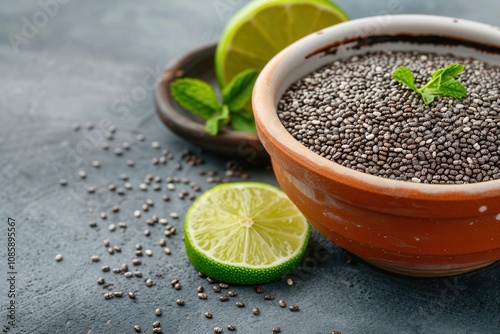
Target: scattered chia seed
{"points": [[105, 268], [155, 144], [200, 288], [177, 286], [180, 302], [255, 311], [111, 187], [118, 294], [294, 308], [131, 295], [240, 304], [218, 330], [104, 215], [140, 137], [90, 189], [231, 293], [208, 315], [156, 324], [216, 288], [101, 281], [63, 182], [268, 297], [157, 330], [224, 298], [149, 282], [202, 295], [259, 289], [231, 327], [96, 164], [361, 118], [137, 329], [93, 224], [282, 303], [276, 330], [75, 126], [95, 258], [59, 257], [158, 312]]}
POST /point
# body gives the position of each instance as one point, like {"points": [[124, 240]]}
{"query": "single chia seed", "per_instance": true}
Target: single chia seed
{"points": [[231, 293], [224, 298], [282, 303], [353, 113], [157, 330], [158, 312], [131, 295], [255, 311], [208, 315], [156, 324], [218, 330], [268, 297], [180, 302], [294, 308], [231, 327], [276, 330], [59, 257], [137, 329]]}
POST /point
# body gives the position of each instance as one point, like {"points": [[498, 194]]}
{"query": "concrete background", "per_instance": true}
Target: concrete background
{"points": [[93, 61]]}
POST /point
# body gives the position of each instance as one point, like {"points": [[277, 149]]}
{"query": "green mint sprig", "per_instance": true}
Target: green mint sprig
{"points": [[442, 83], [200, 98]]}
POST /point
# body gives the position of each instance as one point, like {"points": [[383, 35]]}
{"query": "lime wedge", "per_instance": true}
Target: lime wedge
{"points": [[245, 233], [262, 28]]}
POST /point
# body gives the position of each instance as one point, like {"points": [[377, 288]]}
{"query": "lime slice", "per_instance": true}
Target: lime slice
{"points": [[245, 233], [262, 28]]}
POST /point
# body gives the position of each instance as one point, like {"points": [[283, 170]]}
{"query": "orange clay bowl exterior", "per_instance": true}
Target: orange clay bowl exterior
{"points": [[408, 228]]}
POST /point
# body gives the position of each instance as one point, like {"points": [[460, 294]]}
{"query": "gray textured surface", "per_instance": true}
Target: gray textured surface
{"points": [[76, 68]]}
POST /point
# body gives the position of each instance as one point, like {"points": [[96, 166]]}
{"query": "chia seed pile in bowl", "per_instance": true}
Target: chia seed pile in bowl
{"points": [[353, 113]]}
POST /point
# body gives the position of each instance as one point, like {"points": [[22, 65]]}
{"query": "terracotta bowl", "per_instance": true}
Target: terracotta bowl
{"points": [[404, 227], [199, 63]]}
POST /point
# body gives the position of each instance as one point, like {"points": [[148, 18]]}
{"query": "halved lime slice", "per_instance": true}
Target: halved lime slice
{"points": [[245, 233], [262, 28]]}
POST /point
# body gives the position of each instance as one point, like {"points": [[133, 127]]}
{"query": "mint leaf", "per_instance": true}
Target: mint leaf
{"points": [[215, 122], [243, 120], [404, 75], [196, 96], [239, 90], [442, 83]]}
